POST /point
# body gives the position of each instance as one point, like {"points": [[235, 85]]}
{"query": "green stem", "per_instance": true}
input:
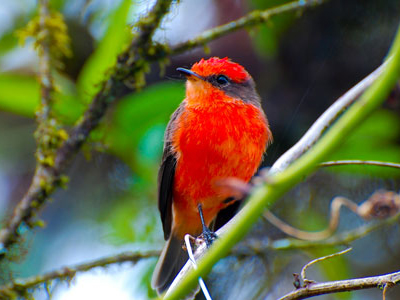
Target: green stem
{"points": [[279, 183]]}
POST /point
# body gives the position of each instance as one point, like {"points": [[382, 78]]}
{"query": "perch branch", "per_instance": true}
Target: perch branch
{"points": [[343, 238], [21, 285], [278, 183]]}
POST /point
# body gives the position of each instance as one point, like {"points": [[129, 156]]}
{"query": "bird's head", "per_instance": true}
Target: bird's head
{"points": [[213, 80]]}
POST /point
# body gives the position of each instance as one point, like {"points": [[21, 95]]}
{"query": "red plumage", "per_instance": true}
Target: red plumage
{"points": [[218, 132]]}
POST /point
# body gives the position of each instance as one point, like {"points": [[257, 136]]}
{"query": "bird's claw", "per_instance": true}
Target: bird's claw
{"points": [[208, 236]]}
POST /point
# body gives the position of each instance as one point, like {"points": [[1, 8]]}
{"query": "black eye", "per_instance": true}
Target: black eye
{"points": [[222, 80]]}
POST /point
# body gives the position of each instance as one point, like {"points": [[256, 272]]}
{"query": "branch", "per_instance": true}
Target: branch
{"points": [[21, 285], [324, 121], [48, 135], [46, 81], [314, 261], [315, 289], [360, 162], [45, 181], [278, 183], [344, 238], [250, 20]]}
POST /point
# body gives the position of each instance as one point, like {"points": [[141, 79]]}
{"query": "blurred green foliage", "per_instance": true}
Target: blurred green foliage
{"points": [[376, 139], [105, 56], [134, 128], [19, 94], [267, 35]]}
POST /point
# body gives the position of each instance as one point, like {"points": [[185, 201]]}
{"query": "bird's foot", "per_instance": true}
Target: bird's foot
{"points": [[208, 236]]}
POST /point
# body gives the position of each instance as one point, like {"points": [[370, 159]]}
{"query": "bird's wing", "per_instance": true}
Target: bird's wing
{"points": [[166, 174], [226, 214]]}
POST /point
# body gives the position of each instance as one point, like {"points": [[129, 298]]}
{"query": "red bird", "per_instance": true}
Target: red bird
{"points": [[219, 131]]}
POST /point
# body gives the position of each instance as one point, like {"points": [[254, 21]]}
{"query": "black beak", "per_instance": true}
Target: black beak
{"points": [[189, 73]]}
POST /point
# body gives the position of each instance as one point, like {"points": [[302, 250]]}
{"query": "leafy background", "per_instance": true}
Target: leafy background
{"points": [[301, 64]]}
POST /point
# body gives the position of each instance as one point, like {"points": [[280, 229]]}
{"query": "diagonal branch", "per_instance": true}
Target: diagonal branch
{"points": [[278, 183], [325, 120], [314, 133]]}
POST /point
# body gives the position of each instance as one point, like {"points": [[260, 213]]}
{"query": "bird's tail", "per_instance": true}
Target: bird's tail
{"points": [[171, 261]]}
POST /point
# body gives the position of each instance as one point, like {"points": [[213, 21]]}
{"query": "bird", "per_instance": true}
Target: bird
{"points": [[218, 132]]}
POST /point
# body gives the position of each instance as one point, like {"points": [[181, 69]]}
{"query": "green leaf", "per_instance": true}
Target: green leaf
{"points": [[7, 42], [105, 56], [19, 94], [137, 124], [68, 107]]}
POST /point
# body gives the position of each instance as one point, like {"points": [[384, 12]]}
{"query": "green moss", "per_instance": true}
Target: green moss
{"points": [[54, 33]]}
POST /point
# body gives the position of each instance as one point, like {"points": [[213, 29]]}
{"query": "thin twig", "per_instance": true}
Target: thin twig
{"points": [[386, 287], [323, 288], [324, 121], [343, 238], [21, 285], [382, 204], [336, 204], [360, 162], [306, 282]]}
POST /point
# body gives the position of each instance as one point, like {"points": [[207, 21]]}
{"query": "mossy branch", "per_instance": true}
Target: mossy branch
{"points": [[277, 184], [46, 28], [47, 179], [19, 287]]}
